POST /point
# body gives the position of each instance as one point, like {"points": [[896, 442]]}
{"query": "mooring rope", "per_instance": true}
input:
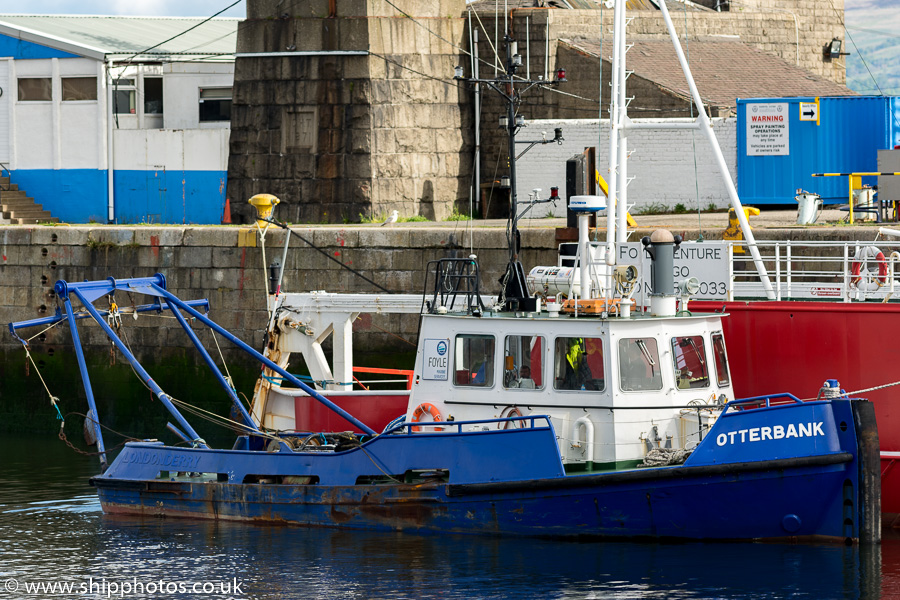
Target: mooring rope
{"points": [[42, 331], [872, 389], [53, 399]]}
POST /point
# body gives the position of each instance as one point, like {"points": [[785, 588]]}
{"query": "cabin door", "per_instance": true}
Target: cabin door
{"points": [[6, 94]]}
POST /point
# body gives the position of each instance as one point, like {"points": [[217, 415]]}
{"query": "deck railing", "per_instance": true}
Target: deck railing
{"points": [[847, 271], [819, 270]]}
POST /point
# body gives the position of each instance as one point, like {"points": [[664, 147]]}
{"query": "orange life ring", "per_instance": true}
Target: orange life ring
{"points": [[429, 409], [508, 413], [862, 255]]}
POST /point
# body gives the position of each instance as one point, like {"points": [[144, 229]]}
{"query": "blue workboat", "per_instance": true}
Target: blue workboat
{"points": [[558, 408], [585, 420]]}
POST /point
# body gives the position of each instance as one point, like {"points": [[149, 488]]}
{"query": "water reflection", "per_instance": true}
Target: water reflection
{"points": [[51, 528]]}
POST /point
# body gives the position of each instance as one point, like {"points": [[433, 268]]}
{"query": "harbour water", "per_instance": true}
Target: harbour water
{"points": [[52, 532]]}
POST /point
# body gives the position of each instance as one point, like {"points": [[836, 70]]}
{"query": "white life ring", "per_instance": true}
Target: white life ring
{"points": [[859, 269]]}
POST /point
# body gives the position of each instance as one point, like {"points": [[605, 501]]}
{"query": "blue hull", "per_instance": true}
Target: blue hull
{"points": [[761, 501], [511, 482]]}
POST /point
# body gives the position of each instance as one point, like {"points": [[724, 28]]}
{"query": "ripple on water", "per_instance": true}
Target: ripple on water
{"points": [[51, 528]]}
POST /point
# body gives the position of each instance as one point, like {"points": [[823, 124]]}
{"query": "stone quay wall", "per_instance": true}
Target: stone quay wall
{"points": [[224, 265]]}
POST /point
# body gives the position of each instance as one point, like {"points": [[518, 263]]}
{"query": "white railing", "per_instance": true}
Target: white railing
{"points": [[812, 270]]}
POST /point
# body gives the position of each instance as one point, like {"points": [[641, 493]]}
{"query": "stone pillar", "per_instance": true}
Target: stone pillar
{"points": [[350, 111]]}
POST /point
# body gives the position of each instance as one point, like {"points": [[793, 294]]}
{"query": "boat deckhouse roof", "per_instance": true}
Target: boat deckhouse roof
{"points": [[117, 37], [724, 69]]}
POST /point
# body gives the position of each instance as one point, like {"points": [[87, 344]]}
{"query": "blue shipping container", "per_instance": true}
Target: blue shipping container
{"points": [[779, 149]]}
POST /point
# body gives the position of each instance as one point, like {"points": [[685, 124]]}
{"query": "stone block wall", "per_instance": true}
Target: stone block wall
{"points": [[211, 263], [342, 137]]}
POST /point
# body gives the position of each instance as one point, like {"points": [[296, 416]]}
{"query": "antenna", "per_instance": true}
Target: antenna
{"points": [[514, 293]]}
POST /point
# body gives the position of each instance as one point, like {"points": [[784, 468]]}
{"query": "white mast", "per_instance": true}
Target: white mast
{"points": [[620, 124], [622, 195], [614, 124]]}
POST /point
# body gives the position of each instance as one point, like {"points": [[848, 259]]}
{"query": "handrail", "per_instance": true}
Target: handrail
{"points": [[408, 373], [4, 168], [816, 270], [768, 399], [455, 277], [445, 425]]}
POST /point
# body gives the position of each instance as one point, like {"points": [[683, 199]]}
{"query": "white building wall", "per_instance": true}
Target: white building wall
{"points": [[181, 92], [34, 136], [79, 136], [72, 135], [171, 150], [56, 134], [662, 163]]}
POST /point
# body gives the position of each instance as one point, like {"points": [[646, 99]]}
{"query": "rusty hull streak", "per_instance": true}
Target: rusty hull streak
{"points": [[392, 506]]}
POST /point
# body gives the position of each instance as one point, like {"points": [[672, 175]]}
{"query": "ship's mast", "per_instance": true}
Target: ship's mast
{"points": [[620, 124], [514, 293]]}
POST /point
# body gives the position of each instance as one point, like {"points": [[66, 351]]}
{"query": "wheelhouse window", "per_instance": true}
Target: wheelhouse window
{"points": [[639, 368], [153, 95], [689, 358], [215, 104], [76, 89], [474, 360], [35, 89], [523, 362], [578, 364], [721, 358], [123, 97]]}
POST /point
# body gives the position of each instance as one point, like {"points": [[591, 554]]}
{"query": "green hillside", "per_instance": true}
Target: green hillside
{"points": [[874, 28]]}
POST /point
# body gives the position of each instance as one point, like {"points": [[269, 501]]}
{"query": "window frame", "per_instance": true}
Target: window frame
{"points": [[62, 88], [125, 88], [19, 89], [718, 339], [700, 352], [162, 105], [202, 100], [560, 362], [623, 353], [490, 367], [518, 367]]}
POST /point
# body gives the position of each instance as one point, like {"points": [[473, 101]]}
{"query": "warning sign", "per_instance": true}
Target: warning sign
{"points": [[767, 129]]}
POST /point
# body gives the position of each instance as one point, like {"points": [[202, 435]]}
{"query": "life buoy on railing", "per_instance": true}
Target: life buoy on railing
{"points": [[863, 256], [428, 410]]}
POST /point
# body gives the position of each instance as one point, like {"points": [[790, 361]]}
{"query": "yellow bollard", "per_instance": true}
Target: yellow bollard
{"points": [[733, 231], [264, 205]]}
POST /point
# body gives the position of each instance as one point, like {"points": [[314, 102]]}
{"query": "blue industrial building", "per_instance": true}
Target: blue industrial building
{"points": [[782, 142]]}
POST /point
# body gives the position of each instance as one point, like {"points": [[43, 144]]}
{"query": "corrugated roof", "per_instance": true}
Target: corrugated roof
{"points": [[490, 5], [122, 36], [723, 71]]}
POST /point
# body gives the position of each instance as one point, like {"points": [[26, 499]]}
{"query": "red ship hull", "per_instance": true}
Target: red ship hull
{"points": [[795, 346]]}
